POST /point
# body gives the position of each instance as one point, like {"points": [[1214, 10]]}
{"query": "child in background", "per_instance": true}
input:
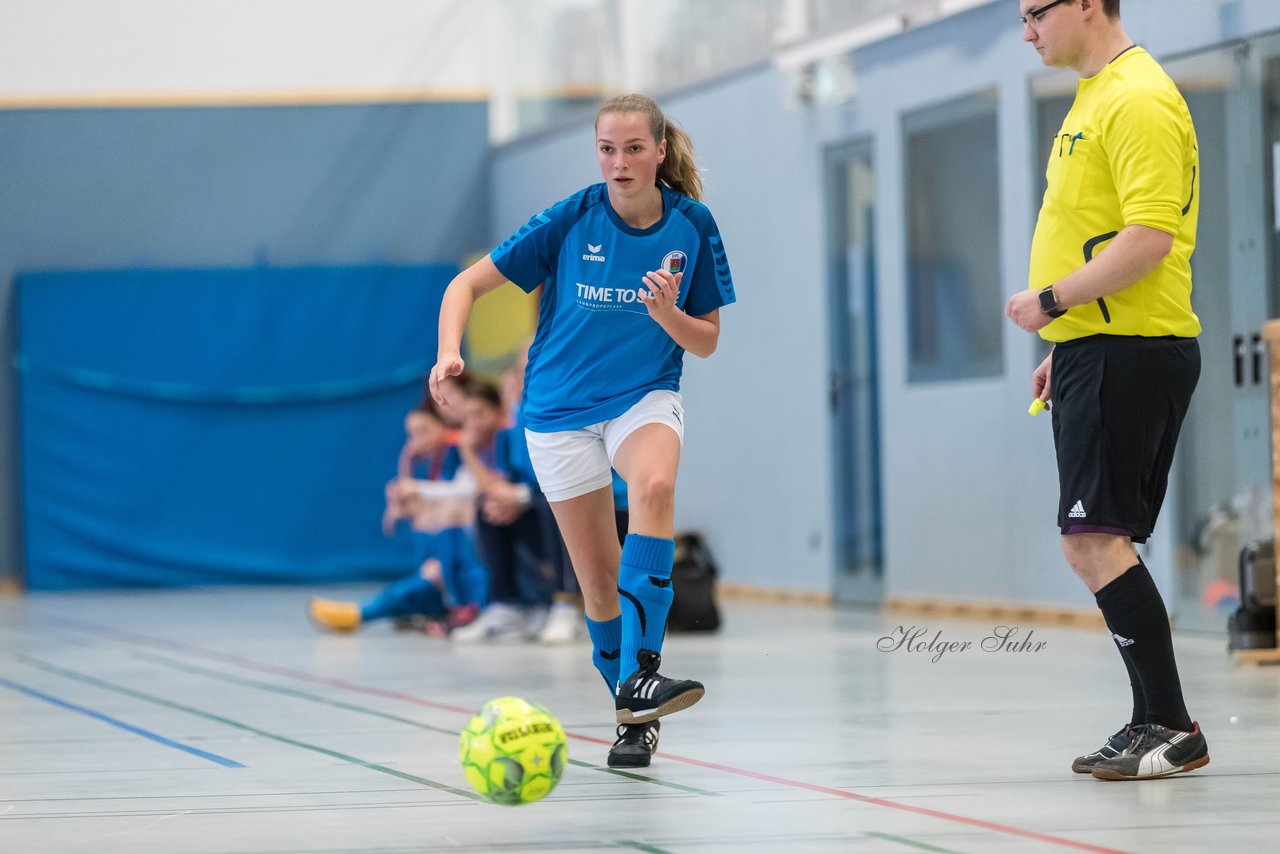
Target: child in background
{"points": [[510, 535], [450, 585]]}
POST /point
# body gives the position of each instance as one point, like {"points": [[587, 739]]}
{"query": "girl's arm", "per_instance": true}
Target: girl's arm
{"points": [[467, 287]]}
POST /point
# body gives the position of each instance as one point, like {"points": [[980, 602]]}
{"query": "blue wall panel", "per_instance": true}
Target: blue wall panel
{"points": [[186, 427]]}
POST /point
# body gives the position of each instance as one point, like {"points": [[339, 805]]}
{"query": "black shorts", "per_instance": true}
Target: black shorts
{"points": [[1118, 404]]}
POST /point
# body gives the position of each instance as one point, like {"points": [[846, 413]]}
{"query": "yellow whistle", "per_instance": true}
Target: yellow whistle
{"points": [[1036, 407]]}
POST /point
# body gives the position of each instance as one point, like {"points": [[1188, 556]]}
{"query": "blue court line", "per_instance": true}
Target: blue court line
{"points": [[159, 739]]}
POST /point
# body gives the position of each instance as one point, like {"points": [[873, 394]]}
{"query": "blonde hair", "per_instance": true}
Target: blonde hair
{"points": [[677, 170]]}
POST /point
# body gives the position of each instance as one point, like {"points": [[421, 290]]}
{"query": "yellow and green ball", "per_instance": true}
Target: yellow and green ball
{"points": [[513, 752]]}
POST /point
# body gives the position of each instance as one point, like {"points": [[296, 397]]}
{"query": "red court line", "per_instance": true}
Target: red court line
{"points": [[250, 664]]}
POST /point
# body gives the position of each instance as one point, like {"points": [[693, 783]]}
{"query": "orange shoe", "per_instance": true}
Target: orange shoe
{"points": [[334, 616]]}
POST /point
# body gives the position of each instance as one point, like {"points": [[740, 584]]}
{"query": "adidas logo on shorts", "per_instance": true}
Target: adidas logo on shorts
{"points": [[1077, 512]]}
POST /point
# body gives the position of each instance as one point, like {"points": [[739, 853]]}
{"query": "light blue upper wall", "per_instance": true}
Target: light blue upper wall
{"points": [[230, 187], [970, 484], [756, 473]]}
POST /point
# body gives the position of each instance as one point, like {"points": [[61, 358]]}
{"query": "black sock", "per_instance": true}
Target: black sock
{"points": [[1134, 611], [1139, 714]]}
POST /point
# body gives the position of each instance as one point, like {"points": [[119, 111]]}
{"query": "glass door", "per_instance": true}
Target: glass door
{"points": [[854, 391]]}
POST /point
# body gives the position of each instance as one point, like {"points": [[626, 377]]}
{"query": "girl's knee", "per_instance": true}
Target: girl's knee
{"points": [[653, 489]]}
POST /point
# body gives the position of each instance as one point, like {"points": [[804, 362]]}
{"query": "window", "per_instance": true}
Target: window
{"points": [[954, 291]]}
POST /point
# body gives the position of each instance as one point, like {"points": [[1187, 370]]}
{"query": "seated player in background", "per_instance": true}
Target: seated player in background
{"points": [[518, 543], [450, 584]]}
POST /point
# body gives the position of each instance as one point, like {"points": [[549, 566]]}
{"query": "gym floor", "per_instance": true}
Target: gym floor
{"points": [[219, 720]]}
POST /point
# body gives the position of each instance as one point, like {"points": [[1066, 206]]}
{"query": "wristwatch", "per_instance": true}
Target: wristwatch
{"points": [[1049, 303]]}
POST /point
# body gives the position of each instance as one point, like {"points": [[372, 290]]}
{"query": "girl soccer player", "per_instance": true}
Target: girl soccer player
{"points": [[635, 275]]}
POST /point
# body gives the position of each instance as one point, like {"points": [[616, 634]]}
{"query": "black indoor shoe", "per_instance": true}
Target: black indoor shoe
{"points": [[1157, 751], [647, 695], [636, 744], [1114, 747]]}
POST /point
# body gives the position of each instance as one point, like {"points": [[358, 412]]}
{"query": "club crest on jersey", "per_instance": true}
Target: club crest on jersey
{"points": [[675, 262], [593, 253]]}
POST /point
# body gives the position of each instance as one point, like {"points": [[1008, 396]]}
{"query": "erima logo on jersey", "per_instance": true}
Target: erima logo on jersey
{"points": [[1077, 512], [593, 253]]}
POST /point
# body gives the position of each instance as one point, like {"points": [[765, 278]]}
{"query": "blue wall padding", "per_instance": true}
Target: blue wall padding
{"points": [[186, 427]]}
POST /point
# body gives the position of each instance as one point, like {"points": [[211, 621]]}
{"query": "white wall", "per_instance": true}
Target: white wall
{"points": [[51, 49]]}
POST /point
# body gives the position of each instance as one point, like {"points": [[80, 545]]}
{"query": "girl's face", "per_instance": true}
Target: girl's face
{"points": [[628, 154]]}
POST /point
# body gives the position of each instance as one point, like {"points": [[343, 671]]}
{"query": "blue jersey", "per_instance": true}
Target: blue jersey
{"points": [[442, 465], [597, 351]]}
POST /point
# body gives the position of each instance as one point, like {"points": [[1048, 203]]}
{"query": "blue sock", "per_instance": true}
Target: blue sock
{"points": [[606, 641], [644, 584]]}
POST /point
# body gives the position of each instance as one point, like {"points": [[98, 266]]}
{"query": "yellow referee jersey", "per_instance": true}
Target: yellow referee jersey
{"points": [[1126, 155]]}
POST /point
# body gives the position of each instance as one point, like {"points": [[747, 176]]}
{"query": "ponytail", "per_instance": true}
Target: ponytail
{"points": [[678, 170]]}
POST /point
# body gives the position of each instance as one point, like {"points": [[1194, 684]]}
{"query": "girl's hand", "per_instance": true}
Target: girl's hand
{"points": [[449, 365], [660, 295]]}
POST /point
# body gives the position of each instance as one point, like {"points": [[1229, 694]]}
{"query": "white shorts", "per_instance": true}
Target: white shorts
{"points": [[574, 462]]}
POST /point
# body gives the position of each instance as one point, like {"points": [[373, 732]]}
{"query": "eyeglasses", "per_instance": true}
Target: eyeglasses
{"points": [[1034, 16]]}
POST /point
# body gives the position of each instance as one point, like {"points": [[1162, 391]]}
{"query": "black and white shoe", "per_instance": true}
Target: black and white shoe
{"points": [[648, 695], [635, 746], [1114, 747], [1157, 751]]}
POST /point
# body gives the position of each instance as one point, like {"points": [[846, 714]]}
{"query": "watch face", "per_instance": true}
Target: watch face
{"points": [[1047, 302]]}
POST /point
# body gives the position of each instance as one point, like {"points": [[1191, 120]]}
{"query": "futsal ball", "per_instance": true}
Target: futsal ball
{"points": [[513, 752]]}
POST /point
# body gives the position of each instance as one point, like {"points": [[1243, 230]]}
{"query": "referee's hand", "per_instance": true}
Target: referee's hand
{"points": [[1023, 308], [1042, 380]]}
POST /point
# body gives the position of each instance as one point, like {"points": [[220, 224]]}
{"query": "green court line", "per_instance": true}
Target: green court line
{"points": [[365, 710], [160, 701], [640, 846], [919, 846], [288, 692], [644, 779]]}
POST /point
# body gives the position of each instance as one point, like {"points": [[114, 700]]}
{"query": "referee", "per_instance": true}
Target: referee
{"points": [[1110, 286]]}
